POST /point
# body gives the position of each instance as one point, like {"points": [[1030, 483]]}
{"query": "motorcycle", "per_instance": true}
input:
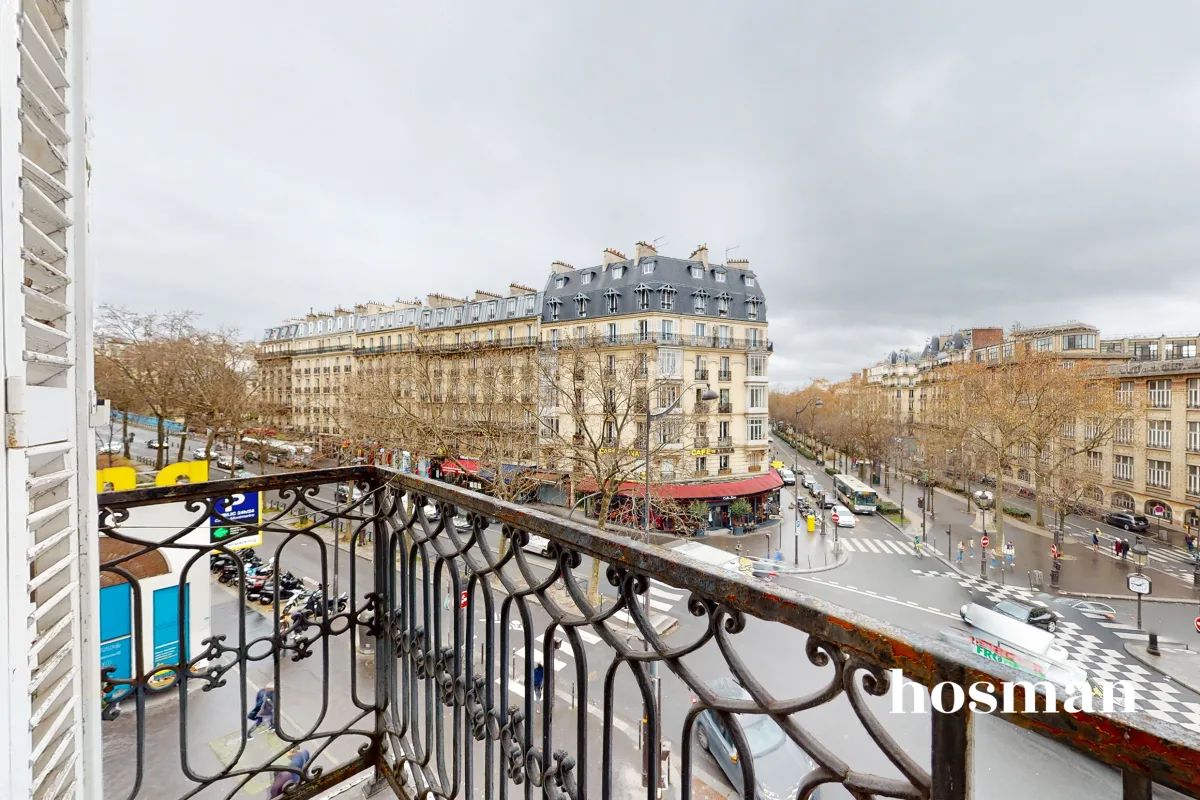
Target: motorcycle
{"points": [[317, 606], [289, 586]]}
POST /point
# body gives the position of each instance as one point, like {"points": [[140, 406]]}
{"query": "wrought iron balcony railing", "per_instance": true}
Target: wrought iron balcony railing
{"points": [[422, 675]]}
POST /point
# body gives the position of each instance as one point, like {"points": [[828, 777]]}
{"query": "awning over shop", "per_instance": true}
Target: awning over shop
{"points": [[699, 491], [460, 466]]}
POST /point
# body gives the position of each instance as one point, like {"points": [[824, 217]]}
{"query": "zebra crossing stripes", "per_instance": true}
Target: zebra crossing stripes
{"points": [[876, 546]]}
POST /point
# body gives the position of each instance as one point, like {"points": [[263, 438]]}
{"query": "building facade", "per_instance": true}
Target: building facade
{"points": [[685, 324], [1152, 463]]}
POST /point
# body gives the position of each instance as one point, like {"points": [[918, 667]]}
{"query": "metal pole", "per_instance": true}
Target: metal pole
{"points": [[1139, 609]]}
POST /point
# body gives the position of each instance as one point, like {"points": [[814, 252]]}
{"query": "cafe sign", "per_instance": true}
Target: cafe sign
{"points": [[712, 451]]}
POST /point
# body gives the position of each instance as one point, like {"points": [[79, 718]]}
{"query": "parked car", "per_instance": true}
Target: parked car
{"points": [[1126, 519], [789, 477], [808, 481], [1089, 607], [537, 544], [110, 448], [779, 763], [845, 517], [272, 458], [198, 454], [342, 494], [224, 462], [155, 444], [1037, 616]]}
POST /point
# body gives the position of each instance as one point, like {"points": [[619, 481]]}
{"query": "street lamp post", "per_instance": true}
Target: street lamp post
{"points": [[1140, 556], [984, 500], [708, 394]]}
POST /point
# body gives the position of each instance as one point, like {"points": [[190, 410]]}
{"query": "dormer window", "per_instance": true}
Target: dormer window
{"points": [[560, 281], [668, 298], [700, 302], [441, 316], [581, 305], [475, 313], [722, 305], [491, 310], [648, 268], [512, 306], [749, 280], [618, 272], [752, 308], [719, 276], [697, 272], [642, 293], [585, 277], [611, 298], [458, 314], [529, 301], [426, 317], [555, 307]]}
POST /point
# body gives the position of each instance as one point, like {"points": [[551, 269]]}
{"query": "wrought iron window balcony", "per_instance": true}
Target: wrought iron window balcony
{"points": [[420, 678]]}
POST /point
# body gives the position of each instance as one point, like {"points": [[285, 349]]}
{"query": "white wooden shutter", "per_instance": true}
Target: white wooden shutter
{"points": [[50, 692]]}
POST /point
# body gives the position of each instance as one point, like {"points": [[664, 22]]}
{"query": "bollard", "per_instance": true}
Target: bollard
{"points": [[1152, 647]]}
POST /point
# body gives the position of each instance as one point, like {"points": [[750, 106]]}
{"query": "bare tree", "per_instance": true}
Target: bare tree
{"points": [[114, 384], [592, 409]]}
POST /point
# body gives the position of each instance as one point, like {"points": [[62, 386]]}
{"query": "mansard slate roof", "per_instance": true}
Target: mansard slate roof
{"points": [[525, 307], [674, 272]]}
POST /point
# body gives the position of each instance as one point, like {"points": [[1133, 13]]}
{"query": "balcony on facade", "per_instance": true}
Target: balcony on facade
{"points": [[404, 682]]}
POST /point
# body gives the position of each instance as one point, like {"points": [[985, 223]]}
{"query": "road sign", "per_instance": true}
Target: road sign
{"points": [[1138, 584], [243, 507], [462, 599], [1159, 511], [834, 517], [1054, 551], [1197, 624], [983, 542]]}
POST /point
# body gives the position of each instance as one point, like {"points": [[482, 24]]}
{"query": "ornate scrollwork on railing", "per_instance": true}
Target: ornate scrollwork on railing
{"points": [[447, 616]]}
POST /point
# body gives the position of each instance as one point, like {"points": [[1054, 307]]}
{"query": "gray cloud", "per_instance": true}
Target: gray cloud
{"points": [[891, 171]]}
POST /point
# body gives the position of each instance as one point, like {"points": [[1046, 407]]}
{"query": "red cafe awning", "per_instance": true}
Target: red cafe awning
{"points": [[699, 491], [460, 466]]}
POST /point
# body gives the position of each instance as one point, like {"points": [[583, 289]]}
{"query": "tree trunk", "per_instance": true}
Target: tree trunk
{"points": [[183, 442], [158, 451], [594, 579], [125, 432], [1038, 520], [999, 512], [208, 442]]}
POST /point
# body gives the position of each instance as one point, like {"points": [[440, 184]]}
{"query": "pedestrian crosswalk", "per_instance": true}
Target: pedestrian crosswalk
{"points": [[1175, 563]]}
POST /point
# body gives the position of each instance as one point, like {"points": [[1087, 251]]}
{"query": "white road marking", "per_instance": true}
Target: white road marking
{"points": [[889, 598], [871, 545], [657, 592]]}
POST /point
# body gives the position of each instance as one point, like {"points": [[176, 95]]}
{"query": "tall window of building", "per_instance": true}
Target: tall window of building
{"points": [[1145, 351], [719, 276], [1006, 350], [512, 306], [700, 302], [758, 397], [1158, 434], [1176, 350], [528, 334], [1159, 393], [1044, 344], [724, 335], [643, 329], [1193, 393], [752, 338], [647, 267], [696, 272], [560, 282], [585, 277], [530, 303], [643, 298], [724, 398], [724, 371], [581, 306], [669, 363], [610, 332], [752, 309], [1125, 392], [723, 464], [554, 338], [723, 431], [1158, 474], [1079, 341], [756, 429], [1193, 486], [668, 393], [701, 466], [723, 305], [611, 299], [668, 330], [491, 309], [1193, 437], [668, 298], [699, 331], [618, 271], [1095, 461], [510, 334]]}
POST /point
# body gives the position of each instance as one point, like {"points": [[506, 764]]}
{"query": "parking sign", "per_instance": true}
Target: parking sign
{"points": [[241, 508]]}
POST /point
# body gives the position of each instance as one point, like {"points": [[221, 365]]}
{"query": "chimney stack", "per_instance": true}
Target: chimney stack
{"points": [[644, 250], [480, 294], [560, 267], [516, 289], [611, 257], [700, 254], [740, 263]]}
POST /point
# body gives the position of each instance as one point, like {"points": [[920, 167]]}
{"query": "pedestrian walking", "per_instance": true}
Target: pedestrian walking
{"points": [[961, 549], [1096, 540], [971, 547], [539, 674], [1124, 549], [1010, 552], [263, 711], [1117, 547], [1190, 539], [297, 760]]}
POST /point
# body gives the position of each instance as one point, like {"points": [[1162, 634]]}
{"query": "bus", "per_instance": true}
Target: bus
{"points": [[858, 497]]}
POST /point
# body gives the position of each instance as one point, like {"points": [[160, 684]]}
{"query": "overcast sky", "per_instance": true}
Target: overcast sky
{"points": [[891, 170]]}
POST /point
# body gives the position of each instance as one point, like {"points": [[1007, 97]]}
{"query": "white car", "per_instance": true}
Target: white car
{"points": [[808, 481], [198, 454], [111, 448], [537, 544], [845, 519], [789, 477]]}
